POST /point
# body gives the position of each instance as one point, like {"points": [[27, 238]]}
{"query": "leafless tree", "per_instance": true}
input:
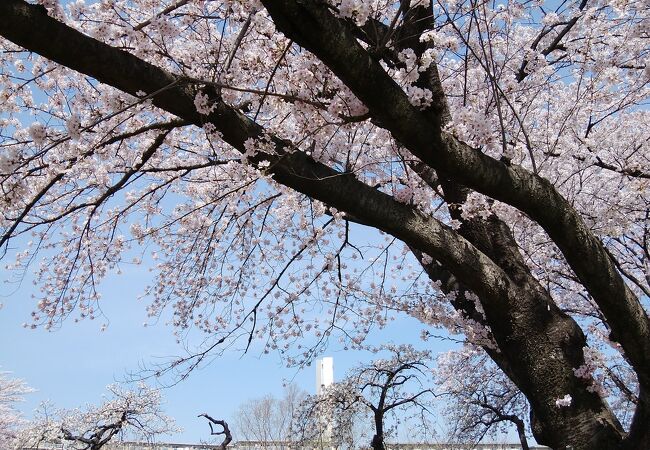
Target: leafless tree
{"points": [[267, 420]]}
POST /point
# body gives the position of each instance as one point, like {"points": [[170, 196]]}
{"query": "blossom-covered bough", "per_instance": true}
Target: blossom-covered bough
{"points": [[240, 147]]}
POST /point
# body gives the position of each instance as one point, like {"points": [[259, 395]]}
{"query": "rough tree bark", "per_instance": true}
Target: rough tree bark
{"points": [[99, 438]]}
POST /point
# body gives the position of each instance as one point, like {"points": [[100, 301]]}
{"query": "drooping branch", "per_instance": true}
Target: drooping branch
{"points": [[517, 421], [99, 437], [133, 412]]}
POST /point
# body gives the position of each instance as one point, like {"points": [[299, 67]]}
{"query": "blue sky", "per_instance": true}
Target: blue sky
{"points": [[72, 365]]}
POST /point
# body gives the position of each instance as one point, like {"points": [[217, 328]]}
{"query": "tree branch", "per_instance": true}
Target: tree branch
{"points": [[225, 430], [314, 27]]}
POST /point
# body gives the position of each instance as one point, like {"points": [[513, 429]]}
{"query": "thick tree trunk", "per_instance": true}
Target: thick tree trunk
{"points": [[546, 330], [377, 442], [538, 350], [541, 344], [639, 434]]}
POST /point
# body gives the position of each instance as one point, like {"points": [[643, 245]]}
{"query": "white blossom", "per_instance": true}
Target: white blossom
{"points": [[564, 402]]}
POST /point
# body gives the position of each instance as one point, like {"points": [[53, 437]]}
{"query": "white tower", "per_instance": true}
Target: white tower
{"points": [[324, 374], [325, 378]]}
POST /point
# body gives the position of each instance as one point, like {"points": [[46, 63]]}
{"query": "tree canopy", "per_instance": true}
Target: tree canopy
{"points": [[245, 148]]}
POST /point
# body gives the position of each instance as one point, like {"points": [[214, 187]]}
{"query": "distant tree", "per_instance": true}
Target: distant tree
{"points": [[267, 419], [133, 414], [12, 391], [394, 386]]}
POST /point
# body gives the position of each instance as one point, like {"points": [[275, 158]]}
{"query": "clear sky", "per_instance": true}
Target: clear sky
{"points": [[72, 366]]}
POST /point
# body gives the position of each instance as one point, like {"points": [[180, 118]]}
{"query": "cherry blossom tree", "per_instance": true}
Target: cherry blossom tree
{"points": [[12, 391], [245, 149], [134, 414], [332, 420], [478, 398], [391, 388]]}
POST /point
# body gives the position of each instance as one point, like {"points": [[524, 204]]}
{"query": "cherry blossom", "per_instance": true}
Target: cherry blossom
{"points": [[563, 402], [12, 391]]}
